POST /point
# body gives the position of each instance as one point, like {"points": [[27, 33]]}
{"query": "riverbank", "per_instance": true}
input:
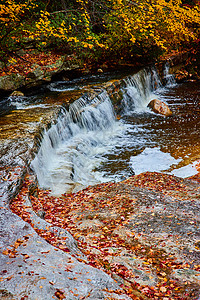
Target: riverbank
{"points": [[33, 68], [142, 233]]}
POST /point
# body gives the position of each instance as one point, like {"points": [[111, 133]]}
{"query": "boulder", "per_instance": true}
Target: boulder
{"points": [[17, 94], [159, 107], [36, 72], [11, 82]]}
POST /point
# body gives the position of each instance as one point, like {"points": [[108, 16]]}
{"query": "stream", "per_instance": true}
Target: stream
{"points": [[90, 143]]}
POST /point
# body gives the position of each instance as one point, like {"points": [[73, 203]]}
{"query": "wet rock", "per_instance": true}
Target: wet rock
{"points": [[17, 94], [11, 82], [38, 75], [116, 94], [36, 72], [53, 69], [12, 169], [159, 107], [33, 189], [70, 63], [18, 143]]}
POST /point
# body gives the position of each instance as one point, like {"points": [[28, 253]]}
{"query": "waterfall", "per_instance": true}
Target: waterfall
{"points": [[73, 147], [139, 90], [72, 150], [143, 87], [169, 79]]}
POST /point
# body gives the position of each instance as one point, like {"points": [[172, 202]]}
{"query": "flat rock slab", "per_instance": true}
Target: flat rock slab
{"points": [[31, 268], [143, 232], [20, 132]]}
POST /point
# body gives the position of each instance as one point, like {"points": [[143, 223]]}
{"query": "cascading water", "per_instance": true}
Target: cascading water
{"points": [[89, 145], [138, 91], [168, 78], [73, 147]]}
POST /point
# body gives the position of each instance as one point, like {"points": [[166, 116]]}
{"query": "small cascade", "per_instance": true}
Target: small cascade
{"points": [[139, 90], [169, 79], [73, 147], [84, 146]]}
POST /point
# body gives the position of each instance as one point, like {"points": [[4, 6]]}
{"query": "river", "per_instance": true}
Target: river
{"points": [[90, 143]]}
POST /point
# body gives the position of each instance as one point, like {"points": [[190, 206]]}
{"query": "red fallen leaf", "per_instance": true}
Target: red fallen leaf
{"points": [[66, 222], [59, 294], [68, 269]]}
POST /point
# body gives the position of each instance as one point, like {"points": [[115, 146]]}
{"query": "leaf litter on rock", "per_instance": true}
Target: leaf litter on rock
{"points": [[99, 203]]}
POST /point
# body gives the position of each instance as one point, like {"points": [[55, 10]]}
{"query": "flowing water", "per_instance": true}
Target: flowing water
{"points": [[88, 144]]}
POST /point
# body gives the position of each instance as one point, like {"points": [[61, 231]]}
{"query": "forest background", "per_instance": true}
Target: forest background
{"points": [[100, 31]]}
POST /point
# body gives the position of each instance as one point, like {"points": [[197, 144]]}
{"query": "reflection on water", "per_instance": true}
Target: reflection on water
{"points": [[178, 136], [152, 159]]}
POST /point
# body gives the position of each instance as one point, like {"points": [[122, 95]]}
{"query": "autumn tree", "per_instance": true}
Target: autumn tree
{"points": [[157, 24], [98, 30], [12, 18]]}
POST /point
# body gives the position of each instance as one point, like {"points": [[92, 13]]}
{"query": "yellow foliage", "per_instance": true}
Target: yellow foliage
{"points": [[165, 24], [159, 22], [12, 11]]}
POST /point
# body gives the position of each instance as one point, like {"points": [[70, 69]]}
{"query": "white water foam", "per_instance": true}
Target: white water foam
{"points": [[18, 102], [168, 78], [139, 91], [74, 147], [81, 141], [21, 103], [61, 86], [143, 87]]}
